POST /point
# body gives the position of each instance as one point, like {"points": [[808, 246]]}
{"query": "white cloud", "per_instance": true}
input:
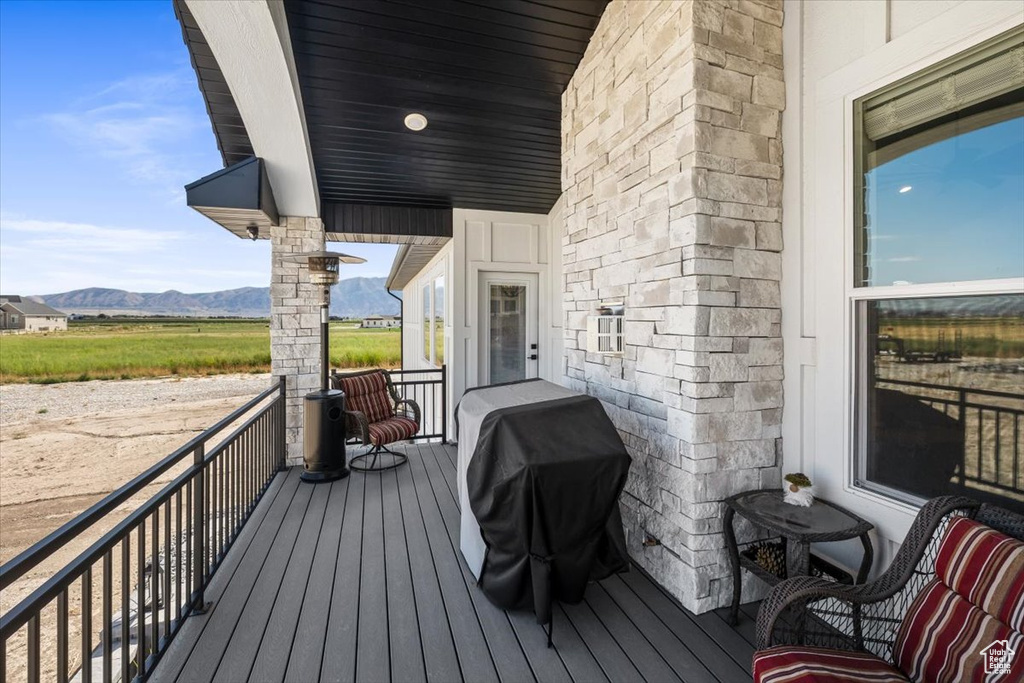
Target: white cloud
{"points": [[140, 123], [60, 239], [904, 259]]}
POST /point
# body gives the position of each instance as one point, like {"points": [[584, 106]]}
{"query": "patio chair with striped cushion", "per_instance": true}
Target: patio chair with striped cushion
{"points": [[950, 609], [377, 416]]}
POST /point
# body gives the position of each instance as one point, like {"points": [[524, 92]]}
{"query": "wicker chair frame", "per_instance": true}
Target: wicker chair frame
{"points": [[357, 425], [866, 617]]}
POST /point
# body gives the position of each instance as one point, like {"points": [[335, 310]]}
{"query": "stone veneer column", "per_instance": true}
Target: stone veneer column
{"points": [[672, 165], [294, 321]]}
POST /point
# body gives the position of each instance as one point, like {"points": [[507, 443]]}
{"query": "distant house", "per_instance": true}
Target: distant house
{"points": [[18, 313], [381, 321]]}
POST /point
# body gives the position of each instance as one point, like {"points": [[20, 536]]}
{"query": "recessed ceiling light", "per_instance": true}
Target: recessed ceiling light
{"points": [[415, 121], [906, 188]]}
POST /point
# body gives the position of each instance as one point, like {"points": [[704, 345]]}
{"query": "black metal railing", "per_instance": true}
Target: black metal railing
{"points": [[429, 388], [133, 587], [990, 423]]}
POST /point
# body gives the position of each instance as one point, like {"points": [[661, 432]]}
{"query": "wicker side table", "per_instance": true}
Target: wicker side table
{"points": [[798, 526]]}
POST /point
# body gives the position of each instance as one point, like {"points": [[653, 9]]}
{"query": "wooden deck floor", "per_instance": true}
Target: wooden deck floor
{"points": [[362, 580]]}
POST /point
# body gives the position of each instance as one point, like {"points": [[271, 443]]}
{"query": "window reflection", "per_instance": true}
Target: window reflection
{"points": [[944, 201], [943, 410]]}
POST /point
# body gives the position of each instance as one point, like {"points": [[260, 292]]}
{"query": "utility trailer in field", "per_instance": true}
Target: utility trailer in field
{"points": [[891, 345]]}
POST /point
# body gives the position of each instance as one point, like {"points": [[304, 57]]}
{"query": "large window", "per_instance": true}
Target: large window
{"points": [[427, 325], [438, 325], [938, 285], [433, 294]]}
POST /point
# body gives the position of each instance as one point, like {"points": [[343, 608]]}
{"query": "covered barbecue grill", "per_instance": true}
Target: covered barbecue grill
{"points": [[540, 473]]}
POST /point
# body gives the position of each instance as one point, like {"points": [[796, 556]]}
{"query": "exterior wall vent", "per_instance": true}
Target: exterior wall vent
{"points": [[604, 329]]}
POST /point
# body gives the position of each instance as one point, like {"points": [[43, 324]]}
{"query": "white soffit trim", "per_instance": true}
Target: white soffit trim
{"points": [[249, 39]]}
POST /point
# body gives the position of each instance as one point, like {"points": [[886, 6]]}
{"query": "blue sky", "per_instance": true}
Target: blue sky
{"points": [[960, 214], [101, 126]]}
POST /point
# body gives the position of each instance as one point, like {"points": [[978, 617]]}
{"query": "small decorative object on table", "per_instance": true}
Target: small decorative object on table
{"points": [[769, 556], [797, 489]]}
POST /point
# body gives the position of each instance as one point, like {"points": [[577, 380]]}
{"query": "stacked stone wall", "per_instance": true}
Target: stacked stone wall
{"points": [[672, 179], [295, 321]]}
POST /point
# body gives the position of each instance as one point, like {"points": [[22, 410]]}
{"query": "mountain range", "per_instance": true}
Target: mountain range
{"points": [[354, 297]]}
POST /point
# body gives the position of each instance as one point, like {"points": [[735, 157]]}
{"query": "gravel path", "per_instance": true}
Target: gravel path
{"points": [[21, 403]]}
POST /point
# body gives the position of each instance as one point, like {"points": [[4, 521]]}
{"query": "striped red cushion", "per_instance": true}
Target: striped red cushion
{"points": [[986, 568], [391, 430], [976, 599], [794, 664], [368, 394], [942, 637]]}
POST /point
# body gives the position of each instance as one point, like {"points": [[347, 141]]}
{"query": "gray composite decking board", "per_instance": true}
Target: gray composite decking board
{"points": [[709, 643], [363, 579], [307, 647], [673, 649], [608, 653], [403, 621], [546, 663], [244, 557], [339, 659], [568, 646], [474, 656], [747, 621], [506, 652], [274, 647], [647, 659], [373, 662], [679, 655], [249, 612], [439, 656]]}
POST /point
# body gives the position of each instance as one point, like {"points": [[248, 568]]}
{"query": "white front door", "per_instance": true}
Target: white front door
{"points": [[508, 327]]}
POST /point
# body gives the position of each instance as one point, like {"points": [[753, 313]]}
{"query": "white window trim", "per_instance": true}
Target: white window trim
{"points": [[427, 280], [832, 456]]}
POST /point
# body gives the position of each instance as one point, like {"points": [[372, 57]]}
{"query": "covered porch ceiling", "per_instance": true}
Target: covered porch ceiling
{"points": [[487, 74]]}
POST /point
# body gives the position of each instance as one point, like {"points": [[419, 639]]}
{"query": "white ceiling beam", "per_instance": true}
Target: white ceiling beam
{"points": [[249, 39]]}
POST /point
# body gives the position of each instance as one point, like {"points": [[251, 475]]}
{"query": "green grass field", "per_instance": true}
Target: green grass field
{"points": [[982, 337], [129, 348]]}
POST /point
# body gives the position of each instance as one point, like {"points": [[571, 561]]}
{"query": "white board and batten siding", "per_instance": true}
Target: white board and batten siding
{"points": [[482, 242], [836, 52]]}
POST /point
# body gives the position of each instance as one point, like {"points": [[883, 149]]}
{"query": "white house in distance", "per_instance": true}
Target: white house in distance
{"points": [[381, 321], [810, 215], [19, 313]]}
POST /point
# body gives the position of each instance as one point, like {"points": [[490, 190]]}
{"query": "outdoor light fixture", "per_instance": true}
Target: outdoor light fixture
{"points": [[324, 414], [253, 232], [415, 121]]}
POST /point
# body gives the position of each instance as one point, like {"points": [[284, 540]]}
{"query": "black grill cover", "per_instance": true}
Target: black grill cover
{"points": [[544, 484]]}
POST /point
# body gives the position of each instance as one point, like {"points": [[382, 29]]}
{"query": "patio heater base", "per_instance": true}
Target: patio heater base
{"points": [[324, 437]]}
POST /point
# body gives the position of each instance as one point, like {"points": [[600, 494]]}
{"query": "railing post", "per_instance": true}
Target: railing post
{"points": [[282, 425], [444, 403], [963, 430], [199, 531]]}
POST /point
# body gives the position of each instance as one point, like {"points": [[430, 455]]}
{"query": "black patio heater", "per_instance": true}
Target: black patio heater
{"points": [[323, 439]]}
